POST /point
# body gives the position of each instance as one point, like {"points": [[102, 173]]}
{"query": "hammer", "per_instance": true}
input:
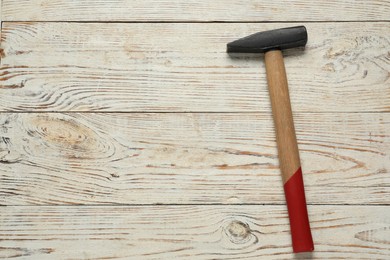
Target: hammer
{"points": [[271, 43]]}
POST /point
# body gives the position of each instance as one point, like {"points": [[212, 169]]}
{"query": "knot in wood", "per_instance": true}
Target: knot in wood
{"points": [[238, 231]]}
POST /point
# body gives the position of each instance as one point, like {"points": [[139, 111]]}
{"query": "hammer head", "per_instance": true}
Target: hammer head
{"points": [[281, 39]]}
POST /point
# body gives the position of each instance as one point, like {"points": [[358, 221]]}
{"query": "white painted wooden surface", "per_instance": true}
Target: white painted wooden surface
{"points": [[189, 158], [196, 10], [88, 172], [189, 232], [184, 67]]}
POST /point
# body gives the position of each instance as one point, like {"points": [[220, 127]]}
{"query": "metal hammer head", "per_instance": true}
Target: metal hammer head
{"points": [[281, 39]]}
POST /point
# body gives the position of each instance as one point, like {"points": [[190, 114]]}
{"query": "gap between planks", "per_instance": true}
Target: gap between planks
{"points": [[194, 22], [192, 204], [188, 112]]}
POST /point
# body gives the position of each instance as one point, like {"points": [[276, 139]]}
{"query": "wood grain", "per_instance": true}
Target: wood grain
{"points": [[286, 139], [87, 158], [116, 167], [189, 232], [199, 10], [152, 67]]}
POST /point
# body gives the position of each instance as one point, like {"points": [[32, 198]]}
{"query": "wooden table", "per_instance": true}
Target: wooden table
{"points": [[127, 132]]}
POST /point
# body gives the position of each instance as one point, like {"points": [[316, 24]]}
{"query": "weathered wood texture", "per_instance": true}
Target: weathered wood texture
{"points": [[152, 67], [192, 232], [49, 161], [195, 10], [188, 158]]}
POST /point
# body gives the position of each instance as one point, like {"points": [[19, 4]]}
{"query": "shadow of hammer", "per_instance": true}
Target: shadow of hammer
{"points": [[271, 43]]}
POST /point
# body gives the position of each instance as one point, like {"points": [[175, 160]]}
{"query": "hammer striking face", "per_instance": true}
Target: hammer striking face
{"points": [[272, 43]]}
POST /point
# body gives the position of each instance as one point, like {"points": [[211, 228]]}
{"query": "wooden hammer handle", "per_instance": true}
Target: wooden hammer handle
{"points": [[288, 152]]}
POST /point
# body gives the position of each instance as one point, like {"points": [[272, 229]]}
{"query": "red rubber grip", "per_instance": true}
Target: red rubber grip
{"points": [[302, 240]]}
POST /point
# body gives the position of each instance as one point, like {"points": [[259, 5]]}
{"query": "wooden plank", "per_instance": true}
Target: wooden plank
{"points": [[199, 10], [189, 232], [51, 158], [152, 67]]}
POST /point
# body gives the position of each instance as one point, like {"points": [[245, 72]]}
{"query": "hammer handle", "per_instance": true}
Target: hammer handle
{"points": [[288, 152]]}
